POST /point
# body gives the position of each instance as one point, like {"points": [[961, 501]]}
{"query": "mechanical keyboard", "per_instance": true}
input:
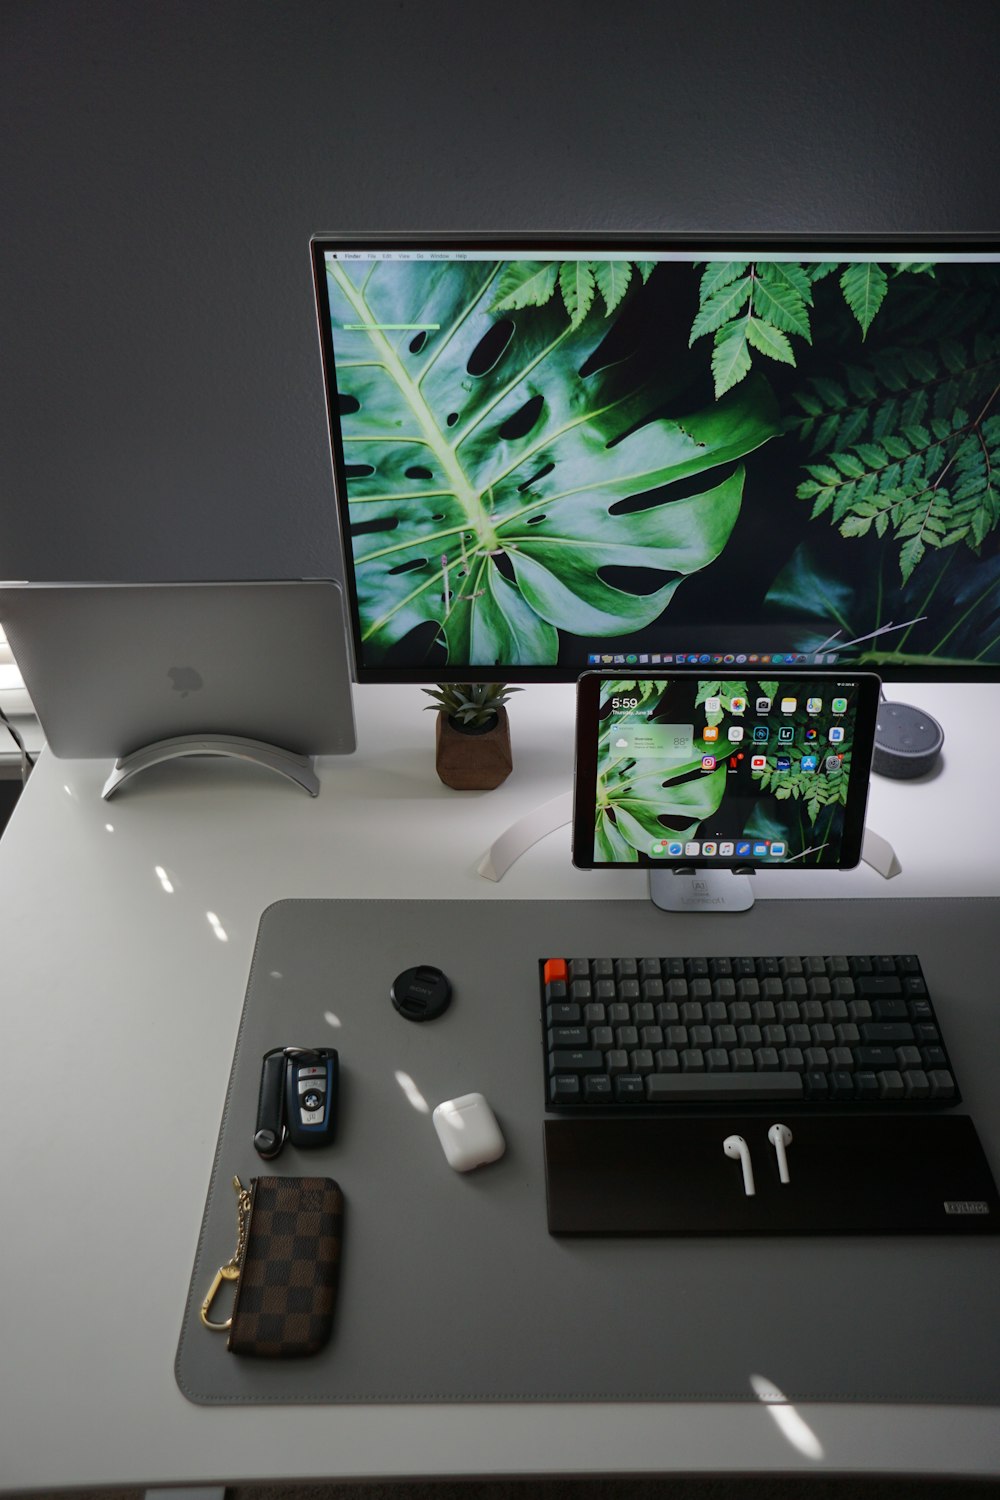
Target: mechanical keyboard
{"points": [[654, 1033]]}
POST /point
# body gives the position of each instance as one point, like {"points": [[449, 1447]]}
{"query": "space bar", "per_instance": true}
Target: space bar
{"points": [[671, 1088]]}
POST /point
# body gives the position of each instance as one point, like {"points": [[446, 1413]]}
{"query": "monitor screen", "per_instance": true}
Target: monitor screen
{"points": [[748, 773], [553, 456]]}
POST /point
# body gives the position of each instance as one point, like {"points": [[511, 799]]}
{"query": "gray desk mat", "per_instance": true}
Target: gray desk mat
{"points": [[451, 1287]]}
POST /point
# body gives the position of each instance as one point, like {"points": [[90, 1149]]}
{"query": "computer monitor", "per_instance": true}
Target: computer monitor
{"points": [[606, 451]]}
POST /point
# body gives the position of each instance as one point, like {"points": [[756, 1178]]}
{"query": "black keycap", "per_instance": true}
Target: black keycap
{"points": [[875, 1057], [880, 1033], [879, 985], [563, 1014], [589, 1061], [895, 1009], [596, 1087], [568, 1036], [562, 1088]]}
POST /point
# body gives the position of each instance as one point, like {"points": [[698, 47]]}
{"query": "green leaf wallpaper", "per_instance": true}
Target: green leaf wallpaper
{"points": [[486, 471], [542, 452]]}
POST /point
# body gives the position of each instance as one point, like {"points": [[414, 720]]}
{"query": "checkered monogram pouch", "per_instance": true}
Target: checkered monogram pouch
{"points": [[287, 1273]]}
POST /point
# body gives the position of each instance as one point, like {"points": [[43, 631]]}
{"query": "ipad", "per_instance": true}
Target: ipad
{"points": [[682, 769], [113, 667]]}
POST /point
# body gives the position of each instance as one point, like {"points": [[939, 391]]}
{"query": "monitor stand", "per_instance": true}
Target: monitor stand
{"points": [[298, 768], [512, 843]]}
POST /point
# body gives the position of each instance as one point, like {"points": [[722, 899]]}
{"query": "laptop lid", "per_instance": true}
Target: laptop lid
{"points": [[112, 667]]}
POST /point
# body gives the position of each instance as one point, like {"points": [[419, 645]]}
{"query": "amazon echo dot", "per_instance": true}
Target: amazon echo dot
{"points": [[907, 741]]}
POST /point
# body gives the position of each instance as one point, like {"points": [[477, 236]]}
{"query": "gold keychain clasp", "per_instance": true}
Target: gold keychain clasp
{"points": [[231, 1270], [224, 1273]]}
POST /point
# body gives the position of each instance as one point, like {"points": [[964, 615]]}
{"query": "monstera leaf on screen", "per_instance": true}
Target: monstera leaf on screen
{"points": [[633, 795], [487, 476]]}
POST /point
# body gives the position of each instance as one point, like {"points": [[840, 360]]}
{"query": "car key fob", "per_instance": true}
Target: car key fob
{"points": [[312, 1080], [269, 1136]]}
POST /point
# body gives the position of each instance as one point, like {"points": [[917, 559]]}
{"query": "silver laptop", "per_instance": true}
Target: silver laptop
{"points": [[114, 668]]}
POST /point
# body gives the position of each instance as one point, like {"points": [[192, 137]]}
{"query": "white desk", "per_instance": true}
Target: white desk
{"points": [[127, 930]]}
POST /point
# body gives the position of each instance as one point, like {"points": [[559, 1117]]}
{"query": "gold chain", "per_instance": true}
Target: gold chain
{"points": [[242, 1220]]}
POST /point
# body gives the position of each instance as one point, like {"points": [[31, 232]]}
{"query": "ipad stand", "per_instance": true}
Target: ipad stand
{"points": [[298, 768], [519, 837], [700, 890]]}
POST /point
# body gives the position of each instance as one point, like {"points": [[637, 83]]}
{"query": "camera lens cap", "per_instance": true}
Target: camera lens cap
{"points": [[421, 994]]}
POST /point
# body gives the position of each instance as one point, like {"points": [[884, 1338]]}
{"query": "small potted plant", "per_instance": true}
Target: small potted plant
{"points": [[473, 734]]}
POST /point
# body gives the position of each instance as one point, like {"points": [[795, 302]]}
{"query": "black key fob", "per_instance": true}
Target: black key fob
{"points": [[311, 1088], [269, 1136]]}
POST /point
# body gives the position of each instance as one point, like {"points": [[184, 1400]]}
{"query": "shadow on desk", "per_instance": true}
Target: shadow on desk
{"points": [[801, 1486]]}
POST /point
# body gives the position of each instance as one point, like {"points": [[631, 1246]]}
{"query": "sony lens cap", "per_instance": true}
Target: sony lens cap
{"points": [[421, 994]]}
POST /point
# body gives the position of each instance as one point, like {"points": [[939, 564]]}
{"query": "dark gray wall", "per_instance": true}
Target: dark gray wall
{"points": [[165, 162]]}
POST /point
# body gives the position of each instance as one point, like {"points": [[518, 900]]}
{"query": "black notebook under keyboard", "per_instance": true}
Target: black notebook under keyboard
{"points": [[630, 1034]]}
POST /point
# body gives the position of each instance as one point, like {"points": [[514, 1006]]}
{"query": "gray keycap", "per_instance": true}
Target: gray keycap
{"points": [[942, 1084], [890, 1084]]}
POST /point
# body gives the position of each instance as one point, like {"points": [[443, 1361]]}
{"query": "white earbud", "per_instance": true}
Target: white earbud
{"points": [[781, 1137], [736, 1147]]}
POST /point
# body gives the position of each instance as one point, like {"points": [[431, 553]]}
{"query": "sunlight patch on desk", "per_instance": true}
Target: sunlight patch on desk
{"points": [[164, 879], [413, 1094], [217, 927], [110, 827], [331, 1019], [788, 1421]]}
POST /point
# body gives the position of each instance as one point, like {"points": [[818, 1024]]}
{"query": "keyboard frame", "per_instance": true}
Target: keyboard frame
{"points": [[790, 1104]]}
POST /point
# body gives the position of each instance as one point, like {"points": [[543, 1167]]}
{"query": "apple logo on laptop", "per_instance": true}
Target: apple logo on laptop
{"points": [[185, 680]]}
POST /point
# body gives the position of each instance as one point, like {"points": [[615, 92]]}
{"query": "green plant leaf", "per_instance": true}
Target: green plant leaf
{"points": [[719, 308], [641, 801], [916, 466], [769, 340], [525, 283], [780, 303], [576, 282], [490, 512], [720, 273], [730, 357], [612, 277], [864, 286]]}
